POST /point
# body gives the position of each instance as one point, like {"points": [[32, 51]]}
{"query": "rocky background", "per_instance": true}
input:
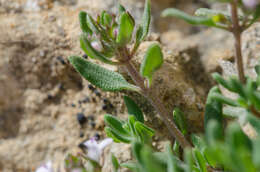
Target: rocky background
{"points": [[42, 97]]}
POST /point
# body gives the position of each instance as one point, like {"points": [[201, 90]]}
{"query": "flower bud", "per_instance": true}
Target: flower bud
{"points": [[97, 46]]}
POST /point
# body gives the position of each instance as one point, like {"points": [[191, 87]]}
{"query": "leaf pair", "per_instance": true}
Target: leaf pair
{"points": [[129, 131]]}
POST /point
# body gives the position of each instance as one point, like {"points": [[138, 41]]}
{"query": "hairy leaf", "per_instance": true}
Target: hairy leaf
{"points": [[146, 19], [195, 20], [133, 109], [83, 22], [103, 78], [126, 27], [153, 60], [213, 108], [115, 124]]}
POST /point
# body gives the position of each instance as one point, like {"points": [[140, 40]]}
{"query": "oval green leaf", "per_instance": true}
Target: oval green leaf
{"points": [[153, 60], [133, 109], [102, 78], [126, 28]]}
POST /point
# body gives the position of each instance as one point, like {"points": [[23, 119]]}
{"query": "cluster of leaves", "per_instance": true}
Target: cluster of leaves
{"points": [[131, 130], [246, 106], [219, 149], [217, 18], [107, 39]]}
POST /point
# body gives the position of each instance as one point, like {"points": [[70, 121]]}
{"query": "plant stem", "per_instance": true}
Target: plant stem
{"points": [[157, 104], [237, 31]]}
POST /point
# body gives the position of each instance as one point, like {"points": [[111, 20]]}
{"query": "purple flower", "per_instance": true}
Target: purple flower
{"points": [[45, 167], [251, 4], [95, 149]]}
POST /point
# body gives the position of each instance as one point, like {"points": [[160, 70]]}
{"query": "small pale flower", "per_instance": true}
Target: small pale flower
{"points": [[251, 4], [95, 149], [45, 167], [97, 45]]}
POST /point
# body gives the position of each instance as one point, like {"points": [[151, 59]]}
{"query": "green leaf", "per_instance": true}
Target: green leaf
{"points": [[146, 20], [103, 78], [178, 118], [194, 20], [106, 19], [114, 163], [238, 87], [200, 160], [152, 61], [220, 98], [205, 12], [117, 136], [115, 124], [254, 121], [136, 148], [172, 164], [176, 149], [83, 22], [133, 166], [126, 27], [92, 24], [121, 9], [256, 152], [237, 139], [140, 127], [213, 108], [214, 132], [133, 109], [198, 142], [188, 160], [223, 82]]}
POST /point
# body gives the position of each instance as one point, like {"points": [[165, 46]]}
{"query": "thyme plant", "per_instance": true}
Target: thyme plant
{"points": [[108, 39], [223, 147]]}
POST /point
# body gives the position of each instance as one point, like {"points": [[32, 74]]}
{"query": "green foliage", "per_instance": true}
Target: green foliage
{"points": [[92, 52], [180, 121], [126, 27], [207, 20], [152, 61], [127, 131], [83, 23], [248, 94], [133, 109], [213, 108], [115, 163], [143, 28], [103, 78]]}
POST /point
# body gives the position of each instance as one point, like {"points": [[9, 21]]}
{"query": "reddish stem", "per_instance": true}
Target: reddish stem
{"points": [[237, 31], [157, 104]]}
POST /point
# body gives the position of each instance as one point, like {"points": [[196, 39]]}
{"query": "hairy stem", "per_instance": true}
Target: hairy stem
{"points": [[157, 104], [237, 31]]}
